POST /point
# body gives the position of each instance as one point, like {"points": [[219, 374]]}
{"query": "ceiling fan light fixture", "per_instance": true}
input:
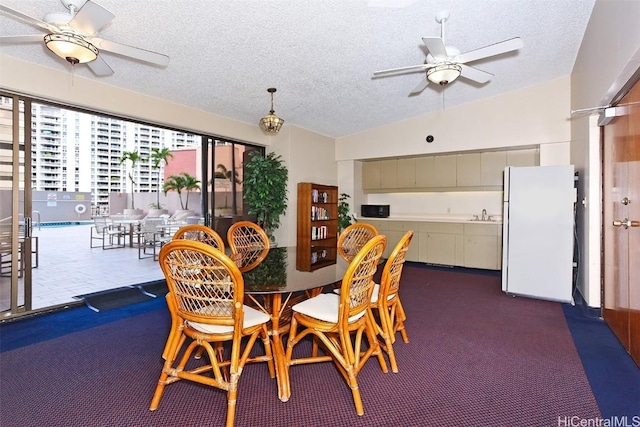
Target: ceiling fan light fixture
{"points": [[444, 74], [271, 123], [74, 49]]}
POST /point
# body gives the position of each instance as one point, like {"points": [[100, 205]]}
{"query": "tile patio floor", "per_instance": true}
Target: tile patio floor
{"points": [[69, 267]]}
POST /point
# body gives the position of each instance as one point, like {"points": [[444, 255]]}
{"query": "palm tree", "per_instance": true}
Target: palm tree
{"points": [[159, 155], [181, 182], [230, 175], [133, 157]]}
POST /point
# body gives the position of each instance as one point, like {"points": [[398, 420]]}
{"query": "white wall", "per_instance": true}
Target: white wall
{"points": [[527, 117], [607, 59], [309, 158], [446, 203], [535, 116]]}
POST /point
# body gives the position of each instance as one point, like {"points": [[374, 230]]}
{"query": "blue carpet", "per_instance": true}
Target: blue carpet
{"points": [[612, 374], [37, 328]]}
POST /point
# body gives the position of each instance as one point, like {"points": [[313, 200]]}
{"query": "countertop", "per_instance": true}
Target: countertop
{"points": [[463, 218]]}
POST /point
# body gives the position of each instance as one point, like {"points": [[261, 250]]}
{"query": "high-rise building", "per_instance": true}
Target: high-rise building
{"points": [[75, 151]]}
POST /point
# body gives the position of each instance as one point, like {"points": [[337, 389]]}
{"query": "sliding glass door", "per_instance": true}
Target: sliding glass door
{"points": [[17, 247]]}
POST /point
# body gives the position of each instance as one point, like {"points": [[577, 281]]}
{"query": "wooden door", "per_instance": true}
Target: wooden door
{"points": [[621, 216]]}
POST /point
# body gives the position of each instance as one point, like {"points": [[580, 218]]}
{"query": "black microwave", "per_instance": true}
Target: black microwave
{"points": [[374, 211]]}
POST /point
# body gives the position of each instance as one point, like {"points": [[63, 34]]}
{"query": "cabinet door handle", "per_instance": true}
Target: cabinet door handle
{"points": [[626, 223]]}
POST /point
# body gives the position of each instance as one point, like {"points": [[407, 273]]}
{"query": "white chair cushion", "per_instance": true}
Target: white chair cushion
{"points": [[374, 295], [323, 307], [252, 317]]}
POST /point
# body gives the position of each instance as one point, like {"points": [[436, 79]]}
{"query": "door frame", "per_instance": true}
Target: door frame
{"points": [[20, 278]]}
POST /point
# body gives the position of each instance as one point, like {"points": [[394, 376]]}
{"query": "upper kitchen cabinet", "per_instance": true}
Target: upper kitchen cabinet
{"points": [[371, 175], [436, 171], [388, 174], [525, 157], [492, 164], [468, 170], [380, 175], [477, 171], [407, 173]]}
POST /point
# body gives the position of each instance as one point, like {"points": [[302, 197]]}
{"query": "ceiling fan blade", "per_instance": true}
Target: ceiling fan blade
{"points": [[420, 87], [435, 46], [474, 74], [491, 50], [130, 51], [28, 19], [100, 67], [30, 38], [408, 69], [90, 18]]}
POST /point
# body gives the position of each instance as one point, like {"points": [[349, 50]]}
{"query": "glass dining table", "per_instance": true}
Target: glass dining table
{"points": [[273, 286]]}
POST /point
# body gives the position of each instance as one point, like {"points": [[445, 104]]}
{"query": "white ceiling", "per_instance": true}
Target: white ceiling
{"points": [[319, 54]]}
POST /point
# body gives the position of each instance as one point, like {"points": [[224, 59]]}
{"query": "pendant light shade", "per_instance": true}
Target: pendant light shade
{"points": [[271, 123], [71, 47]]}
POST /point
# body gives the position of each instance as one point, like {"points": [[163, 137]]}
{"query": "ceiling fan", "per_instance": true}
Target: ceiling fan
{"points": [[445, 63], [72, 36]]}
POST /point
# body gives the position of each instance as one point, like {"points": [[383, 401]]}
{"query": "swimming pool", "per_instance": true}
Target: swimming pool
{"points": [[62, 223]]}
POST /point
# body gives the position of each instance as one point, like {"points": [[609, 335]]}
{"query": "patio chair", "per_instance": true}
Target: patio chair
{"points": [[353, 238], [206, 291], [150, 238], [340, 321], [112, 236], [249, 244], [385, 299], [201, 233]]}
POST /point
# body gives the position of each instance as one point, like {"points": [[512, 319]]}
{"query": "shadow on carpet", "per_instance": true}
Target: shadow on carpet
{"points": [[115, 298], [154, 289]]}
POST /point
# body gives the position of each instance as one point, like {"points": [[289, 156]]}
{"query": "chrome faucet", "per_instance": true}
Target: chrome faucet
{"points": [[484, 214]]}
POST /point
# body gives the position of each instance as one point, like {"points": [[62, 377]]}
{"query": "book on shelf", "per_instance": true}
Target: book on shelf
{"points": [[319, 196], [318, 233]]}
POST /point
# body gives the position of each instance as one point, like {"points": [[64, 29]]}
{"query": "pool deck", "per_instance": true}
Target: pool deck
{"points": [[68, 267]]}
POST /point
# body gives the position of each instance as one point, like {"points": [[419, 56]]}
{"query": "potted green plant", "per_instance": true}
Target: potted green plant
{"points": [[265, 189], [345, 217]]}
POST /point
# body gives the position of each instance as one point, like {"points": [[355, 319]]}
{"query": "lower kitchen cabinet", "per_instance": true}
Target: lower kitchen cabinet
{"points": [[483, 246], [472, 245], [441, 243]]}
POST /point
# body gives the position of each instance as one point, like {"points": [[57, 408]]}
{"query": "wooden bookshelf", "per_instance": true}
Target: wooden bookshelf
{"points": [[317, 237]]}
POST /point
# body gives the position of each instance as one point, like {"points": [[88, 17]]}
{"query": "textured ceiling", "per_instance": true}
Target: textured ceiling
{"points": [[319, 54]]}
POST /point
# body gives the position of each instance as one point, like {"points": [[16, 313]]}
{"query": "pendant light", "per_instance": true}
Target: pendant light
{"points": [[271, 123]]}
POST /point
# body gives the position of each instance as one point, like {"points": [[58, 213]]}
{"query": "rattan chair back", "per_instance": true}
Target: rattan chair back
{"points": [[339, 323], [387, 304], [200, 233], [205, 300], [249, 244], [357, 282], [353, 238]]}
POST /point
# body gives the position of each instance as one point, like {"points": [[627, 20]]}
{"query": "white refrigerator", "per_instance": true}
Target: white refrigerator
{"points": [[538, 221]]}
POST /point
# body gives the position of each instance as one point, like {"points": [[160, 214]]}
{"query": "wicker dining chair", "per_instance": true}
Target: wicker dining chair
{"points": [[206, 291], [353, 238], [339, 322], [249, 244], [385, 300], [200, 233]]}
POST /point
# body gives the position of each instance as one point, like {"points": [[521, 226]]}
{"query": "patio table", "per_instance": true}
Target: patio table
{"points": [[131, 223]]}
